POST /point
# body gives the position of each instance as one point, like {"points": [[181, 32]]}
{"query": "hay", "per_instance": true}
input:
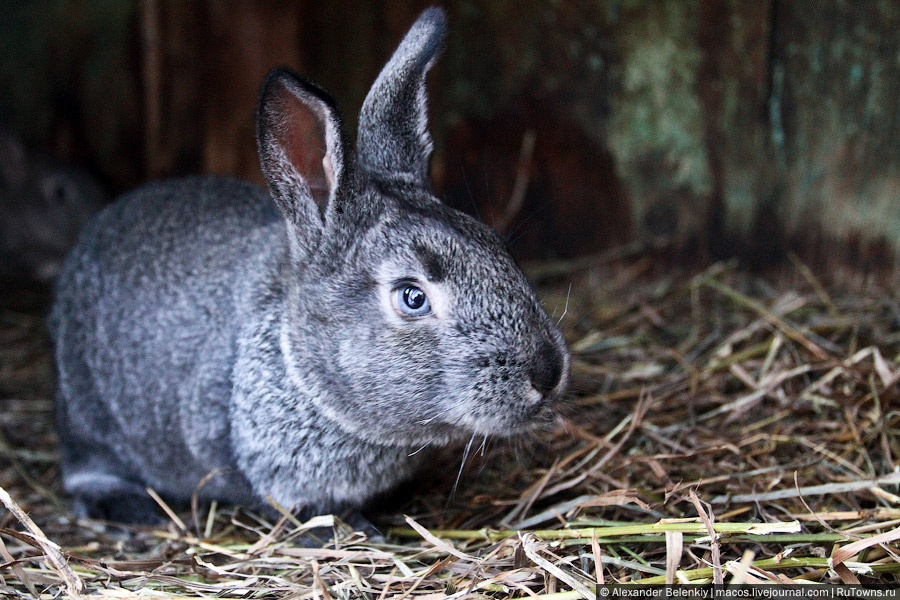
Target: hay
{"points": [[722, 426]]}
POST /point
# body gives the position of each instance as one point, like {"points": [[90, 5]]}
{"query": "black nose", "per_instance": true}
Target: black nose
{"points": [[547, 368]]}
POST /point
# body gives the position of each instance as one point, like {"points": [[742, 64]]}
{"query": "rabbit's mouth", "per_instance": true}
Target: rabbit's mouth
{"points": [[533, 418], [541, 409], [537, 416], [508, 416]]}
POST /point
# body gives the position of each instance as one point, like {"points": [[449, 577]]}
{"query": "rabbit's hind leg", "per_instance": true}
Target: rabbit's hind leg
{"points": [[102, 486], [99, 495]]}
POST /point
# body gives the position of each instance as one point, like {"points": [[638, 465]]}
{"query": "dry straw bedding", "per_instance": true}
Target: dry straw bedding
{"points": [[721, 427]]}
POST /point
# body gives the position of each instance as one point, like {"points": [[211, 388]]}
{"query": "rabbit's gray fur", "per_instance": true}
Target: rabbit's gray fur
{"points": [[43, 206], [200, 329]]}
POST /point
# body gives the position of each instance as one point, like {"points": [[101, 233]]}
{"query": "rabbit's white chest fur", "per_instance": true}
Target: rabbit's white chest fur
{"points": [[292, 451]]}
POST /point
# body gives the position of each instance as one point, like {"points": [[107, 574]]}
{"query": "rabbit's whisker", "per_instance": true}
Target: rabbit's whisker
{"points": [[462, 465], [425, 445], [566, 309], [443, 412]]}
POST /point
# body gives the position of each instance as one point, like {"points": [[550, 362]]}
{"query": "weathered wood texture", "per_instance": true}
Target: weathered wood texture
{"points": [[69, 83], [836, 85], [718, 127]]}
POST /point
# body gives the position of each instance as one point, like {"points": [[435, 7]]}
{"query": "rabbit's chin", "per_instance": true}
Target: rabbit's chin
{"points": [[503, 424], [527, 420]]}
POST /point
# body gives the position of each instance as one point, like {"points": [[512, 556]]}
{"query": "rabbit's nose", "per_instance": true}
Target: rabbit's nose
{"points": [[547, 368]]}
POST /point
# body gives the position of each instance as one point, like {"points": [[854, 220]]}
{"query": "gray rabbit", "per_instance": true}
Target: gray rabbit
{"points": [[303, 344], [43, 206]]}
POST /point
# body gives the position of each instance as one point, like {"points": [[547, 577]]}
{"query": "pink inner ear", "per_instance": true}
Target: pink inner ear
{"points": [[301, 135]]}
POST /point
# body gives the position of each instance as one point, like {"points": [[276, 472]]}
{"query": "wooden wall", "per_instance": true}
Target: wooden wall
{"points": [[713, 128]]}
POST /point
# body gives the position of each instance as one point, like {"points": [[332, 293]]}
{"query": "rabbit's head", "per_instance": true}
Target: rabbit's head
{"points": [[406, 321]]}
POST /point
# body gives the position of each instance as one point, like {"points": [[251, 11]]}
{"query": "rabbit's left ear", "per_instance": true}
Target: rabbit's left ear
{"points": [[301, 148], [394, 142]]}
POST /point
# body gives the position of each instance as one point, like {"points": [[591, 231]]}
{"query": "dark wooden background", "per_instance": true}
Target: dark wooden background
{"points": [[709, 129]]}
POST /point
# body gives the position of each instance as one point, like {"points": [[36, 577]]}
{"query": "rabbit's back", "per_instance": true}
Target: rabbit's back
{"points": [[146, 322]]}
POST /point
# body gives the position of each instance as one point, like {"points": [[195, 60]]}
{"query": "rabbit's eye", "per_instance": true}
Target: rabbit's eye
{"points": [[412, 301]]}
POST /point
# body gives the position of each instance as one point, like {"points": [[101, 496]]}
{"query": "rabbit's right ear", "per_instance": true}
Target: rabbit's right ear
{"points": [[301, 149]]}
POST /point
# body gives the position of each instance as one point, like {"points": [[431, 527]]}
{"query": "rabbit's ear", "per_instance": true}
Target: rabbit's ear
{"points": [[301, 148], [394, 142]]}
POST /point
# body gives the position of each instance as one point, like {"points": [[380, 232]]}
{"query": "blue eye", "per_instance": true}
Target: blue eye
{"points": [[411, 301]]}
